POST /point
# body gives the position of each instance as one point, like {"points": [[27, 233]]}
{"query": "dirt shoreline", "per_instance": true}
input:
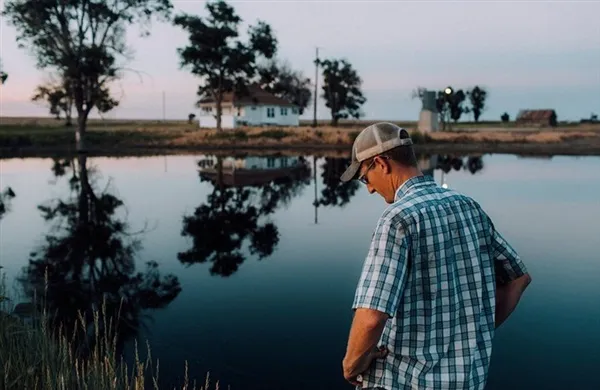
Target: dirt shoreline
{"points": [[533, 149]]}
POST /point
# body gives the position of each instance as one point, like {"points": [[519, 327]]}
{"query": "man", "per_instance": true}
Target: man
{"points": [[437, 280]]}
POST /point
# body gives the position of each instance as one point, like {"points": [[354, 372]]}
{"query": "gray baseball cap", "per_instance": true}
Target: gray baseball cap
{"points": [[373, 140]]}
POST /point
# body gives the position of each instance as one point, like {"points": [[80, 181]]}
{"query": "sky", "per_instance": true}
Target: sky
{"points": [[526, 54]]}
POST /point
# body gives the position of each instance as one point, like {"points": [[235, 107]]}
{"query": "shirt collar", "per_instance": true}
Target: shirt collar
{"points": [[411, 184]]}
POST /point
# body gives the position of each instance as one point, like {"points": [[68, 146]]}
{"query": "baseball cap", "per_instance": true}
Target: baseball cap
{"points": [[373, 140]]}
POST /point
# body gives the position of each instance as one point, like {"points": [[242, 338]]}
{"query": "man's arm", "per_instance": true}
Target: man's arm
{"points": [[512, 277], [365, 332], [377, 295], [508, 295]]}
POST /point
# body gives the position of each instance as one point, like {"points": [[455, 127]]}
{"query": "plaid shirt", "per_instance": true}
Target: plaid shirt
{"points": [[432, 266]]}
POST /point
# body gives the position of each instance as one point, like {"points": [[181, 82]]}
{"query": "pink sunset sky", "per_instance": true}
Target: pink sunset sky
{"points": [[528, 54]]}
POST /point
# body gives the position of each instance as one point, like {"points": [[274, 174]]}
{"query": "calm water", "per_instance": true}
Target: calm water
{"points": [[254, 283]]}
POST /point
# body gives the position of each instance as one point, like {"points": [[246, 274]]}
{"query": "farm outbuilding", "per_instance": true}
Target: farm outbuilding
{"points": [[536, 118]]}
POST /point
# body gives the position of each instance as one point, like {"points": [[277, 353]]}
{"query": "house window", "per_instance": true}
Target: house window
{"points": [[294, 110], [253, 108], [270, 162], [283, 111], [270, 112], [284, 162], [207, 109]]}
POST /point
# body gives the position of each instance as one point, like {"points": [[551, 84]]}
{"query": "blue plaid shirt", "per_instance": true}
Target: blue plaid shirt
{"points": [[432, 267]]}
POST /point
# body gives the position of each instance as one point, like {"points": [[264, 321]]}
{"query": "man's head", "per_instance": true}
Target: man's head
{"points": [[383, 159]]}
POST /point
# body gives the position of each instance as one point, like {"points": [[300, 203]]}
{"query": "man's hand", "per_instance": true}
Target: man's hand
{"points": [[363, 365], [508, 296], [365, 332]]}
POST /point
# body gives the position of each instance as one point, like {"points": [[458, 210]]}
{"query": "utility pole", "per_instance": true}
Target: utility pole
{"points": [[163, 105], [316, 88]]}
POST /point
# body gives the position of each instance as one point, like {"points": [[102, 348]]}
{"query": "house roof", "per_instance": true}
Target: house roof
{"points": [[535, 115], [256, 96]]}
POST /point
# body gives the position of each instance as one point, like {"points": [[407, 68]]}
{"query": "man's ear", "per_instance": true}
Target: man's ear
{"points": [[385, 164]]}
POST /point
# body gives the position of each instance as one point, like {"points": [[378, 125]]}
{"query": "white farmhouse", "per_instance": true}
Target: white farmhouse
{"points": [[257, 108]]}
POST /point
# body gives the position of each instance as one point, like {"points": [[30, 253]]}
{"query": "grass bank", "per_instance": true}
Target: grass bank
{"points": [[28, 137], [35, 354]]}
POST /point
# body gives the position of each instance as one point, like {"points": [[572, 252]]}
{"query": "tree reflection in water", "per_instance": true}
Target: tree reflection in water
{"points": [[236, 211], [448, 162], [335, 192], [5, 200], [338, 193], [87, 261]]}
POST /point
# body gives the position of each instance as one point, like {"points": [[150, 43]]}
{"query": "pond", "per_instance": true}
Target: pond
{"points": [[246, 267]]}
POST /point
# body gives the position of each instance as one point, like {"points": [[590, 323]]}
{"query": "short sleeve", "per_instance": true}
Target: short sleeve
{"points": [[507, 263], [384, 272]]}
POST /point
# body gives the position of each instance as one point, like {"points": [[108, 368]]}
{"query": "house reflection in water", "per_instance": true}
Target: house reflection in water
{"points": [[234, 221], [249, 171]]}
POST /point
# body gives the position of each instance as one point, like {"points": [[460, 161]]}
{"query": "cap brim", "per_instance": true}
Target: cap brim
{"points": [[351, 172]]}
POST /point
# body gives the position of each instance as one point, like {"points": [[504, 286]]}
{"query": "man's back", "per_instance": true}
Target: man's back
{"points": [[432, 267]]}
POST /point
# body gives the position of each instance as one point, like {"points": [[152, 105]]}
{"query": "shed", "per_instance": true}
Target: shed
{"points": [[546, 117]]}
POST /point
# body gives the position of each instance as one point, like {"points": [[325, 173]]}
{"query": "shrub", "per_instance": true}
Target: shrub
{"points": [[275, 134], [228, 134]]}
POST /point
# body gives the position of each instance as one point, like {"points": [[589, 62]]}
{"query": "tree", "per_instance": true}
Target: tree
{"points": [[449, 104], [217, 55], [505, 117], [280, 80], [341, 90], [83, 40], [105, 101], [59, 97], [3, 76], [477, 97], [455, 104]]}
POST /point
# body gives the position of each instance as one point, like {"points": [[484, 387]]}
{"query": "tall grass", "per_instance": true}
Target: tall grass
{"points": [[37, 354]]}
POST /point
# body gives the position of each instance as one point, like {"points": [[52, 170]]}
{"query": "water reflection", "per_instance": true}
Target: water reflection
{"points": [[336, 192], [316, 317], [87, 260], [447, 162], [245, 192], [5, 201]]}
